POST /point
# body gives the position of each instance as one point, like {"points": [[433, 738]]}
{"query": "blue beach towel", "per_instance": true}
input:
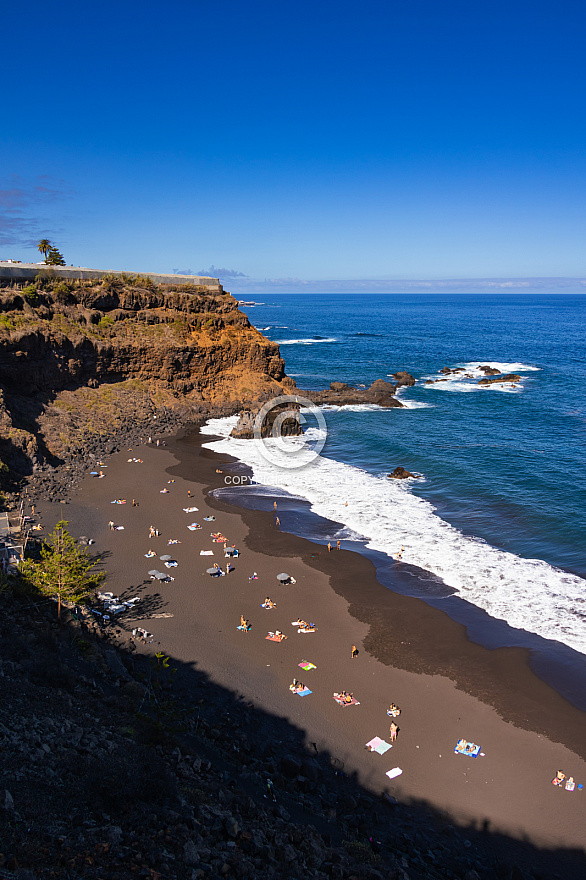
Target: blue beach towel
{"points": [[471, 750]]}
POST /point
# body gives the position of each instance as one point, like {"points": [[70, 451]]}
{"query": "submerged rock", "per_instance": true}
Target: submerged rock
{"points": [[508, 377], [400, 473]]}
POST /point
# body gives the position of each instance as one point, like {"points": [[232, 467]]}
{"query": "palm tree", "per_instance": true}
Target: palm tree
{"points": [[44, 246]]}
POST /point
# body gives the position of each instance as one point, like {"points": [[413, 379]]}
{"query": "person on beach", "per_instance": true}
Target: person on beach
{"points": [[268, 603], [151, 531], [111, 525], [348, 698], [134, 502], [275, 505], [354, 651], [243, 622], [338, 545], [393, 731], [253, 577], [329, 547], [277, 521], [228, 568], [189, 493], [393, 710]]}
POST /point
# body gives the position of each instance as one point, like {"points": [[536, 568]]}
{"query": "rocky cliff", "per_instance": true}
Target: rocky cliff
{"points": [[80, 360]]}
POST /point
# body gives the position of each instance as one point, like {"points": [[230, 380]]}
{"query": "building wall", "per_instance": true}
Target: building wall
{"points": [[28, 272]]}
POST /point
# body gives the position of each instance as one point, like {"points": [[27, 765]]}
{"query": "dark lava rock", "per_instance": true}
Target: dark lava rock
{"points": [[403, 378], [380, 393], [508, 377], [401, 474]]}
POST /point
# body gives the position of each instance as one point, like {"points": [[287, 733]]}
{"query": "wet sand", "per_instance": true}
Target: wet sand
{"points": [[409, 653]]}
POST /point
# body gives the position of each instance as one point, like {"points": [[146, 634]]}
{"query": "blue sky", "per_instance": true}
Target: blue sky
{"points": [[308, 140]]}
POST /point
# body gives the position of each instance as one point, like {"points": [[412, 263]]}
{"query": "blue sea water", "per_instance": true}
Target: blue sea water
{"points": [[500, 513]]}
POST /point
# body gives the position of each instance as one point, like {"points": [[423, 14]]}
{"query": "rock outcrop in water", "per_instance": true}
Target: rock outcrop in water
{"points": [[508, 377], [380, 393], [280, 419], [403, 378], [400, 473], [80, 361]]}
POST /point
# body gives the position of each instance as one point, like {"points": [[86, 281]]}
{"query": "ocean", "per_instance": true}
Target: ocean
{"points": [[493, 530]]}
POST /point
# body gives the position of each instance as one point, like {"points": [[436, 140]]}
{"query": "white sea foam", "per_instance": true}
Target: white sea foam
{"points": [[527, 593], [352, 407], [303, 341], [459, 382], [413, 404], [463, 387]]}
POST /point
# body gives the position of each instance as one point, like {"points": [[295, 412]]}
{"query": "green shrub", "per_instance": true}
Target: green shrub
{"points": [[6, 323], [31, 294]]}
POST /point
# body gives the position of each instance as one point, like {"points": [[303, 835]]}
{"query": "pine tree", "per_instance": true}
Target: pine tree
{"points": [[64, 570], [54, 257]]}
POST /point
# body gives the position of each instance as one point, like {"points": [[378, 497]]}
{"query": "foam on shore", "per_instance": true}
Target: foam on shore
{"points": [[528, 594]]}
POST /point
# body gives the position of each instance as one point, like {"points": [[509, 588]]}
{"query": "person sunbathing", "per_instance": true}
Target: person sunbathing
{"points": [[299, 622], [393, 710], [348, 698], [268, 603], [294, 685], [280, 635], [243, 622]]}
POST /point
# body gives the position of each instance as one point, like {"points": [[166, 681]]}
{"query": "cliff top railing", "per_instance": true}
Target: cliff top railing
{"points": [[29, 271]]}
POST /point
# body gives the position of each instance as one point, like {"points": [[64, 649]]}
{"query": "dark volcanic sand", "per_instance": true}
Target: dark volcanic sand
{"points": [[410, 653]]}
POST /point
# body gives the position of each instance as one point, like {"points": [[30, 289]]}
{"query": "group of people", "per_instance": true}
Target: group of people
{"points": [[565, 782]]}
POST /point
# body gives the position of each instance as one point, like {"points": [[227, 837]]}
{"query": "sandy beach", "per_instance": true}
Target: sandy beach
{"points": [[409, 653]]}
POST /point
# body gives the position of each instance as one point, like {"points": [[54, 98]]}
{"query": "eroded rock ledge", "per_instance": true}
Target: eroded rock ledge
{"points": [[81, 361]]}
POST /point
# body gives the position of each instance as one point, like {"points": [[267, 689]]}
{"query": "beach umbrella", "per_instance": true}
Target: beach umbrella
{"points": [[165, 558], [212, 570], [283, 577], [158, 575]]}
